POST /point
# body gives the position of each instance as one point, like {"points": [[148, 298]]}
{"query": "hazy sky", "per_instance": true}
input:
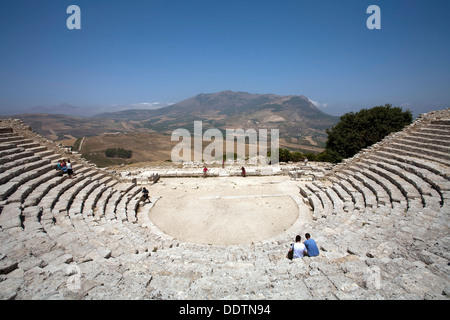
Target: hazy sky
{"points": [[144, 51]]}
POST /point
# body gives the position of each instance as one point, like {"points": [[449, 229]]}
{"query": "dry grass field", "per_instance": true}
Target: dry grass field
{"points": [[150, 147], [146, 147]]}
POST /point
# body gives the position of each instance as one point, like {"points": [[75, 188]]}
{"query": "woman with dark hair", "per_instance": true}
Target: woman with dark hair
{"points": [[298, 248]]}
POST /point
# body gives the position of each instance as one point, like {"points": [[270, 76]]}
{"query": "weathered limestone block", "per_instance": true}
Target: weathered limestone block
{"points": [[7, 265]]}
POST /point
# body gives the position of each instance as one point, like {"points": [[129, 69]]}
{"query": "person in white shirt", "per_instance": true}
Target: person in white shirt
{"points": [[299, 248], [69, 169]]}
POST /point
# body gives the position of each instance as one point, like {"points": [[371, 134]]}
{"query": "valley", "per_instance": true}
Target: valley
{"points": [[147, 133]]}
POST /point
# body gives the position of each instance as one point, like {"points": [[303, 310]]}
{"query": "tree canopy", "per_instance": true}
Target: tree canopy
{"points": [[356, 131], [118, 153]]}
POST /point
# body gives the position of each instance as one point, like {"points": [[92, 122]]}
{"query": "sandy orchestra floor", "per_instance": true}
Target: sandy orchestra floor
{"points": [[226, 210]]}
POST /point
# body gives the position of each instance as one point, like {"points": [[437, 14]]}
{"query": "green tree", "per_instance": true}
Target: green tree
{"points": [[118, 152], [110, 152], [359, 130], [297, 156], [284, 155]]}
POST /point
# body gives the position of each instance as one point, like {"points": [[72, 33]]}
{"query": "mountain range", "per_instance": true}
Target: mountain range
{"points": [[302, 126], [85, 112], [293, 115]]}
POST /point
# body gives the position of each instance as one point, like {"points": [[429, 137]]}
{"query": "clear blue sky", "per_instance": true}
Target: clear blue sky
{"points": [[169, 50]]}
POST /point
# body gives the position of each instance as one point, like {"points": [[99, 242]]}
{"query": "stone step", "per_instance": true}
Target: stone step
{"points": [[342, 194], [429, 139], [111, 205], [5, 130], [11, 216], [442, 122], [6, 146], [79, 201], [132, 208], [419, 152], [16, 156], [91, 202], [144, 221], [437, 131], [427, 144], [369, 197], [40, 150], [382, 197], [394, 193], [38, 193], [51, 198], [327, 205], [11, 151], [46, 154], [27, 188], [435, 168], [65, 199], [100, 206], [27, 144], [314, 201], [19, 161], [113, 201], [6, 189], [10, 138], [338, 204], [355, 194], [122, 207], [406, 188], [428, 183], [15, 172], [413, 180]]}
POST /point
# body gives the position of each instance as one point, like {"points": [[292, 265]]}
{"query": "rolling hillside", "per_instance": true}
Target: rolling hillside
{"points": [[301, 125]]}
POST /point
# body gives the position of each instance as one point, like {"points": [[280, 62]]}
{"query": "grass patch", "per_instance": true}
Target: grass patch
{"points": [[101, 161]]}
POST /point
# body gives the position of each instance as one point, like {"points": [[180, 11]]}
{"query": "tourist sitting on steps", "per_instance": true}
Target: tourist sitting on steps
{"points": [[311, 246], [145, 195], [61, 165], [297, 250]]}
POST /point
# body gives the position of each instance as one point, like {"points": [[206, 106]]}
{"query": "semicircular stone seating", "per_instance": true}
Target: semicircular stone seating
{"points": [[380, 220]]}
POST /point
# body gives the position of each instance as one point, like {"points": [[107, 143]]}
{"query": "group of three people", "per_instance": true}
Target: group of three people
{"points": [[307, 248], [65, 167]]}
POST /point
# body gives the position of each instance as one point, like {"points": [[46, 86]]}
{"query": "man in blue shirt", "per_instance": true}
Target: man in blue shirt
{"points": [[311, 246]]}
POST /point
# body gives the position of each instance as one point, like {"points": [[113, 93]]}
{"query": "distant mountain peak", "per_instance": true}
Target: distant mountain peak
{"points": [[293, 115]]}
